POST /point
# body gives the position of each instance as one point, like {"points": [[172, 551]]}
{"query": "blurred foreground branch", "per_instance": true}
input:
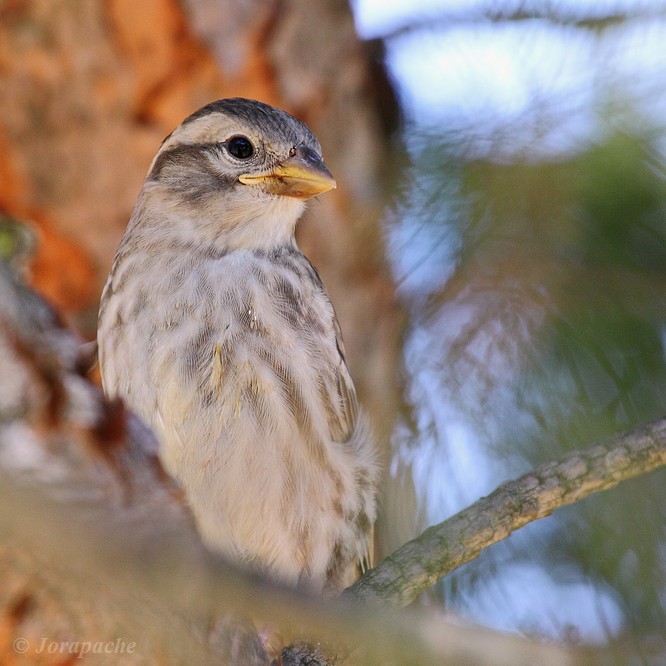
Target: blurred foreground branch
{"points": [[442, 548]]}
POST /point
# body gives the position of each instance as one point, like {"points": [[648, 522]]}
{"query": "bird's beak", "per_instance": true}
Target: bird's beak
{"points": [[302, 176]]}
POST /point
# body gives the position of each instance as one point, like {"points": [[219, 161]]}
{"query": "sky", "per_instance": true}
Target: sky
{"points": [[495, 76]]}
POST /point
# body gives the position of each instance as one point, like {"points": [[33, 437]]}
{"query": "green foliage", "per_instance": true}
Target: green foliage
{"points": [[550, 335]]}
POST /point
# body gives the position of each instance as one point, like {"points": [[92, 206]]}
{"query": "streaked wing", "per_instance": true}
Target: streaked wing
{"points": [[343, 424]]}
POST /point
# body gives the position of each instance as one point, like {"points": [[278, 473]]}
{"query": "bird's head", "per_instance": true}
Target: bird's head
{"points": [[237, 169]]}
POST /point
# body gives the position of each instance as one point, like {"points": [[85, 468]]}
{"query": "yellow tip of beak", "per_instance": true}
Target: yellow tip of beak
{"points": [[302, 176]]}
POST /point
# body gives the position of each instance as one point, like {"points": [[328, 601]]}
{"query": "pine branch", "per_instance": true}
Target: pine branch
{"points": [[422, 562]]}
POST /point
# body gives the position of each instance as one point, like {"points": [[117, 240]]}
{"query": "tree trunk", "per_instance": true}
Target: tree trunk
{"points": [[90, 89]]}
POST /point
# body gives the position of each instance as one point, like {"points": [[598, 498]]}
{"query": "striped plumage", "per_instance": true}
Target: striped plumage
{"points": [[218, 332]]}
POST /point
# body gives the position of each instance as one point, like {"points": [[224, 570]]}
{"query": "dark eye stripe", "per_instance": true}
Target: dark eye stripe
{"points": [[181, 156]]}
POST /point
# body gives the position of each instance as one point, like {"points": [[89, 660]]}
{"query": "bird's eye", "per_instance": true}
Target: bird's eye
{"points": [[240, 147]]}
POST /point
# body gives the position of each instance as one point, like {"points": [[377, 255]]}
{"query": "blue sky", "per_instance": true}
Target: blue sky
{"points": [[537, 82]]}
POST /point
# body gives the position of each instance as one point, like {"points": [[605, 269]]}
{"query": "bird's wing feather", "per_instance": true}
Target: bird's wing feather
{"points": [[347, 424], [342, 427]]}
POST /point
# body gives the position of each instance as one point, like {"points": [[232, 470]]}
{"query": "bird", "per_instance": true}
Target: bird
{"points": [[217, 331]]}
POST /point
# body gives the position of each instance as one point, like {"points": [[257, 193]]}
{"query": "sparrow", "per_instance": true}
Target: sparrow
{"points": [[218, 332]]}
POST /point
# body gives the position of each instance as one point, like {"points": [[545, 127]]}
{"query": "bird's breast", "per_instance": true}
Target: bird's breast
{"points": [[233, 362], [246, 335]]}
